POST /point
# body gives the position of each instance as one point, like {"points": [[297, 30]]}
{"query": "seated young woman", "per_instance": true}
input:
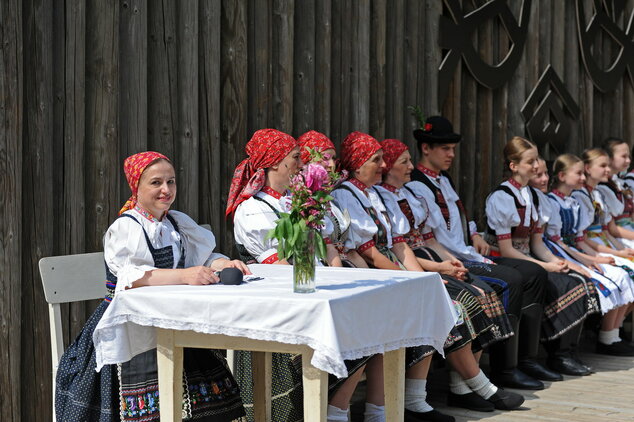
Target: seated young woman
{"points": [[337, 222], [259, 192], [515, 230], [562, 356], [618, 196], [373, 236], [149, 244], [594, 239]]}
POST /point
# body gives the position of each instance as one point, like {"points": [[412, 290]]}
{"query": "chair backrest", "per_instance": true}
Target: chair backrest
{"points": [[69, 278]]}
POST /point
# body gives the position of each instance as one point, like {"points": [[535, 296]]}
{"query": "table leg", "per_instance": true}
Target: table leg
{"points": [[315, 391], [170, 376], [262, 379], [394, 384]]}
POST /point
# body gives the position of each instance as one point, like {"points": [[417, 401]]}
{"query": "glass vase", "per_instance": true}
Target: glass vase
{"points": [[304, 263]]}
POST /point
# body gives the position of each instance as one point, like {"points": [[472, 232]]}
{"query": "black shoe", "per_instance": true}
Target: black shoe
{"points": [[567, 366], [432, 416], [506, 400], [615, 349], [587, 367], [538, 371], [514, 378], [469, 401]]}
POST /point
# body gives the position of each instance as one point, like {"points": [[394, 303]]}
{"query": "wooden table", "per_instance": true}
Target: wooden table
{"points": [[170, 344]]}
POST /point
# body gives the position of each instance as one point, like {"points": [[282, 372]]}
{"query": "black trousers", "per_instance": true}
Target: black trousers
{"points": [[517, 282]]}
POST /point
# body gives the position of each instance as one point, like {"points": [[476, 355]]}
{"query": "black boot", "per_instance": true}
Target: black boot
{"points": [[561, 356], [503, 360], [530, 325]]}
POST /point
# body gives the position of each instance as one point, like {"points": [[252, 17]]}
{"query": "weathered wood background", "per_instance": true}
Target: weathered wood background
{"points": [[85, 83]]}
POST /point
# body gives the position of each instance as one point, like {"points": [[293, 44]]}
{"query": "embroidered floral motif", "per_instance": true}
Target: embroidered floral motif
{"points": [[358, 184], [145, 214], [428, 172], [270, 191]]}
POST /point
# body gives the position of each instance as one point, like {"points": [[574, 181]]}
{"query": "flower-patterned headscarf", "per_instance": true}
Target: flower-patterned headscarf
{"points": [[315, 140], [356, 149], [392, 149], [133, 167], [266, 148]]}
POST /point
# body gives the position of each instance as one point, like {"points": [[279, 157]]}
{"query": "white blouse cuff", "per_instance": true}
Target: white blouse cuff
{"points": [[213, 257], [268, 257], [129, 274], [473, 228]]}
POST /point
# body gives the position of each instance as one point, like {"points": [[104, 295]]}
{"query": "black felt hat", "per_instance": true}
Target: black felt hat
{"points": [[437, 130]]}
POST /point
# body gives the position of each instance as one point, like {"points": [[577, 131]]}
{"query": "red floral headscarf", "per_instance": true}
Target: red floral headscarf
{"points": [[266, 148], [392, 149], [356, 149], [315, 140], [133, 167]]}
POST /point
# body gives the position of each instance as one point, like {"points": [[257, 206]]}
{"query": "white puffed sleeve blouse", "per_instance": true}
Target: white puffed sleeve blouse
{"points": [[398, 222], [362, 227], [613, 204], [128, 256], [502, 214], [252, 222], [587, 214], [546, 211]]}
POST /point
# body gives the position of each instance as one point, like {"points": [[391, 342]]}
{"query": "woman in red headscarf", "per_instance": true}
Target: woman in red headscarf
{"points": [[258, 194], [337, 222], [477, 302], [149, 244]]}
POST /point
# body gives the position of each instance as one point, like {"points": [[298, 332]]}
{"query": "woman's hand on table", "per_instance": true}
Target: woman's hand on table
{"points": [[199, 276], [236, 263]]}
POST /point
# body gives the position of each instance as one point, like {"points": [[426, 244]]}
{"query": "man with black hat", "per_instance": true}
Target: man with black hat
{"points": [[520, 284]]}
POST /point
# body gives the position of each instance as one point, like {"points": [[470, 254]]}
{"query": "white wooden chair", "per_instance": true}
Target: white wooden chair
{"points": [[69, 278]]}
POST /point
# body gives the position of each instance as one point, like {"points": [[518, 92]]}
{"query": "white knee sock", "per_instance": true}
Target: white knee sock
{"points": [[615, 335], [609, 336], [457, 385], [416, 395], [481, 385], [337, 415], [374, 413]]}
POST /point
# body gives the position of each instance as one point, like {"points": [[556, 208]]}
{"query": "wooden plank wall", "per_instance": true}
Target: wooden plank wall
{"points": [[85, 83]]}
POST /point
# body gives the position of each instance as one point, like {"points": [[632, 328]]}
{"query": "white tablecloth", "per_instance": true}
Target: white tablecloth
{"points": [[353, 313]]}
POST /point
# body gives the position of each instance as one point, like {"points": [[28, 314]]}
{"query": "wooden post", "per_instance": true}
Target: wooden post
{"points": [[262, 385], [170, 360], [133, 83], [11, 91], [394, 376], [315, 391], [38, 208]]}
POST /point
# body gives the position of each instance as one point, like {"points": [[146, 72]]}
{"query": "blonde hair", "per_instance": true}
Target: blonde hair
{"points": [[589, 155], [514, 149], [563, 163]]}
